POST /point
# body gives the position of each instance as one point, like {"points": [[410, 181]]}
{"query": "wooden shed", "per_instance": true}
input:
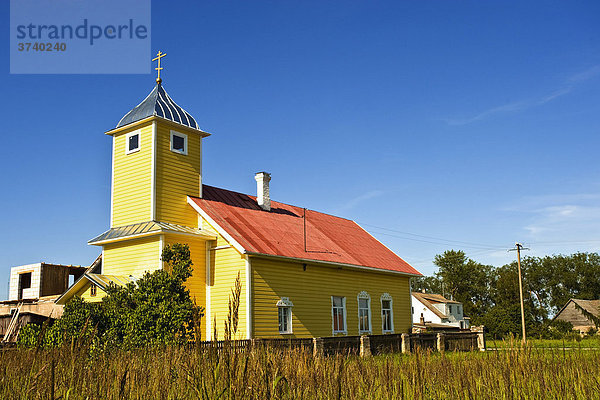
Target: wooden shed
{"points": [[580, 313]]}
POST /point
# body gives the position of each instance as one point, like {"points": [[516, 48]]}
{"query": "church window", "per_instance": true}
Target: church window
{"points": [[387, 314], [338, 314], [364, 313], [133, 142], [179, 142], [284, 313]]}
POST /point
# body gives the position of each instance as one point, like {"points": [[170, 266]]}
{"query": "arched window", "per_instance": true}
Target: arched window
{"points": [[364, 312], [338, 314], [387, 313], [284, 313]]}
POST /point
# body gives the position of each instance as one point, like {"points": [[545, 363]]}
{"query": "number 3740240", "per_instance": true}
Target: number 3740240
{"points": [[40, 46]]}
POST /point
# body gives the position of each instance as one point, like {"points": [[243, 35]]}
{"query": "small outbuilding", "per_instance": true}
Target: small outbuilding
{"points": [[581, 314]]}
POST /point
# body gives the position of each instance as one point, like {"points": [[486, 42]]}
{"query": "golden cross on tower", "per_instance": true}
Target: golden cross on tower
{"points": [[158, 68]]}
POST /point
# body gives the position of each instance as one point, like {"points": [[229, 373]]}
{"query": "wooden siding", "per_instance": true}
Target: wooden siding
{"points": [[86, 294], [132, 257], [197, 282], [310, 291], [225, 264], [573, 315], [132, 179], [177, 176]]}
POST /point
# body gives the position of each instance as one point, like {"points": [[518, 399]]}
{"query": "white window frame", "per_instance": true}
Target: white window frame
{"points": [[388, 297], [286, 303], [364, 296], [185, 143], [345, 331], [130, 134]]}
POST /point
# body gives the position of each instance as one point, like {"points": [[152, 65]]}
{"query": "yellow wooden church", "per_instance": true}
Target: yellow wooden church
{"points": [[303, 273]]}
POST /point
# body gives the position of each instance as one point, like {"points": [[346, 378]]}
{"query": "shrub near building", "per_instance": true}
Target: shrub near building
{"points": [[155, 310]]}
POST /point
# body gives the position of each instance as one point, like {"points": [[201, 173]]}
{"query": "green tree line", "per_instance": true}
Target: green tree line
{"points": [[490, 295]]}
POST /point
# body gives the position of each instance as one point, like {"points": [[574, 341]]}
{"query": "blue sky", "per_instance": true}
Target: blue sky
{"points": [[436, 125]]}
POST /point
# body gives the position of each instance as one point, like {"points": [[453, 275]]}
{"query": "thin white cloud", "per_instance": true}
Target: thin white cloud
{"points": [[360, 199], [539, 202], [522, 105], [566, 222], [510, 107], [585, 75], [560, 223]]}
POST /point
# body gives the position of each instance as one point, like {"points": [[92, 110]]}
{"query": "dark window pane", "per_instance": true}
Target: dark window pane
{"points": [[284, 319], [134, 142], [25, 280], [179, 143], [337, 301]]}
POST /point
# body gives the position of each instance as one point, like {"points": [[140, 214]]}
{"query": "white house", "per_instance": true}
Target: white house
{"points": [[437, 310]]}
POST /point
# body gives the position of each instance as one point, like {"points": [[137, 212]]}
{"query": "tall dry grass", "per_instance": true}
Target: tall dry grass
{"points": [[194, 373]]}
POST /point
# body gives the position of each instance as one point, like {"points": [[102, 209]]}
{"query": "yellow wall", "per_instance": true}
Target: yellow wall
{"points": [[195, 283], [86, 293], [310, 291], [132, 257], [132, 179], [225, 265], [177, 176]]}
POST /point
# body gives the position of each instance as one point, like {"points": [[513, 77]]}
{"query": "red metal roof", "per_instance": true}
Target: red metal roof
{"points": [[283, 230]]}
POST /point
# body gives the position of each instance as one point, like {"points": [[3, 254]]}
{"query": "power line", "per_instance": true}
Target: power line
{"points": [[481, 245], [442, 243], [468, 255]]}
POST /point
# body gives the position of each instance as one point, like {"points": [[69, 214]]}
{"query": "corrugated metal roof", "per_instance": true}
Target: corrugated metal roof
{"points": [[104, 281], [159, 103], [144, 228], [281, 232]]}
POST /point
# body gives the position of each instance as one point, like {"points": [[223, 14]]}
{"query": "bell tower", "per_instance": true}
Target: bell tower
{"points": [[156, 164]]}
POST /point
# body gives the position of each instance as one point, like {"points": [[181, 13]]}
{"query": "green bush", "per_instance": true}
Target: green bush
{"points": [[154, 310], [29, 336]]}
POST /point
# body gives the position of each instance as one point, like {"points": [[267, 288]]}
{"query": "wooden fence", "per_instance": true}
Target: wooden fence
{"points": [[361, 345]]}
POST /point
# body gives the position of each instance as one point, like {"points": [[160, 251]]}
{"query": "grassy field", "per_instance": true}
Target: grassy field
{"points": [[584, 343], [188, 373]]}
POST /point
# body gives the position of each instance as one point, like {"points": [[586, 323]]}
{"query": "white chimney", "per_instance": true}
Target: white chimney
{"points": [[262, 190]]}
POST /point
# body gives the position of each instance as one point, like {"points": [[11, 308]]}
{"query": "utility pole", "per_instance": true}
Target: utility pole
{"points": [[518, 248]]}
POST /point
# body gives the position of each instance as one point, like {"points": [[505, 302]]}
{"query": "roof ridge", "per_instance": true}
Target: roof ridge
{"points": [[279, 202]]}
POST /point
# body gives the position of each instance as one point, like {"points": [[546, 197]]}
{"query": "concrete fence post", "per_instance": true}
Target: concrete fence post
{"points": [[481, 341], [405, 343], [365, 346], [318, 347], [441, 342], [256, 343]]}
